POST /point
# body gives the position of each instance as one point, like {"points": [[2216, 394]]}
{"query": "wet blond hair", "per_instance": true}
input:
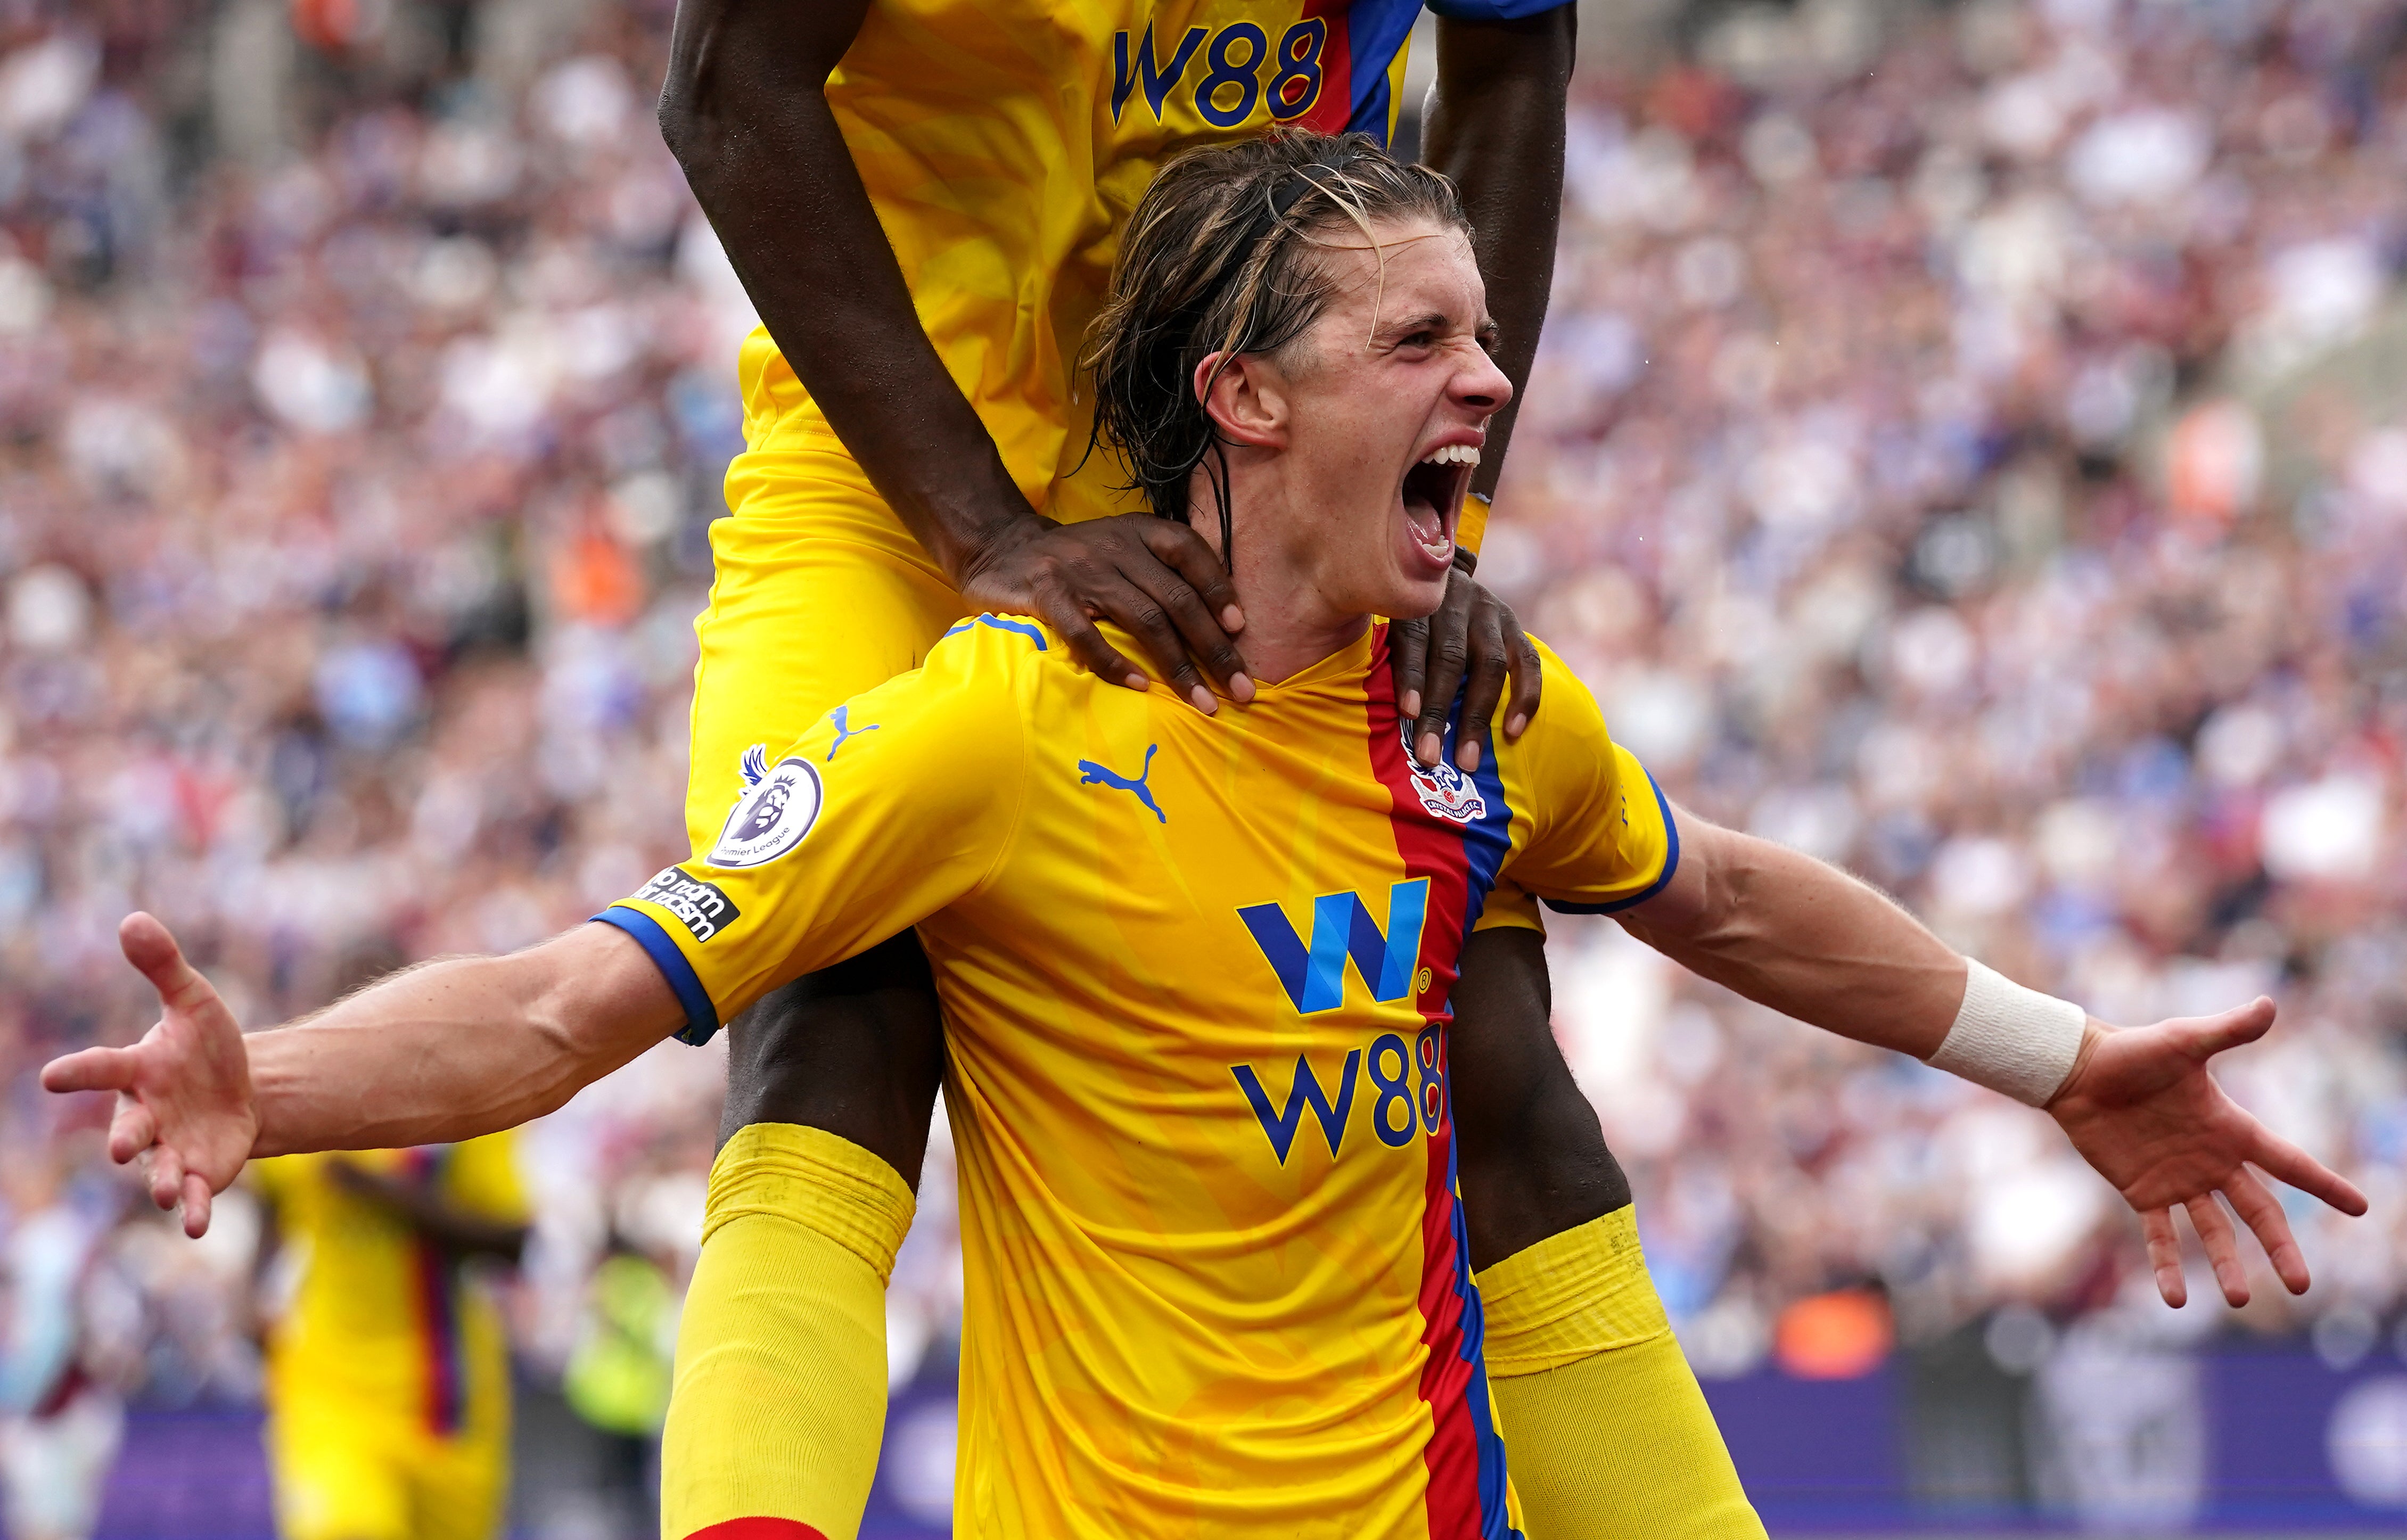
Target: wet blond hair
{"points": [[1223, 255]]}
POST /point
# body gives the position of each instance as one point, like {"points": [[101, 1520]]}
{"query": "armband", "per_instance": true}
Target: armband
{"points": [[2011, 1039]]}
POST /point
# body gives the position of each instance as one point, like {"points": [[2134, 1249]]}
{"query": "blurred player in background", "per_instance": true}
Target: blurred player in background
{"points": [[923, 199], [388, 1376]]}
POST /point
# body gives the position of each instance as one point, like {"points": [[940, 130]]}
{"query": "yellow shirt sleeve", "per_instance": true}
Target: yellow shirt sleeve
{"points": [[892, 806], [1602, 836]]}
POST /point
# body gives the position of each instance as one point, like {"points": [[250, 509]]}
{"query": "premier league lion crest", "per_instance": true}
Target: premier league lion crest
{"points": [[777, 808], [1444, 790]]}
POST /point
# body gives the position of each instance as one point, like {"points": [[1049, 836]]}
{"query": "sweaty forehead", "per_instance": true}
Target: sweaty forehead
{"points": [[1421, 269]]}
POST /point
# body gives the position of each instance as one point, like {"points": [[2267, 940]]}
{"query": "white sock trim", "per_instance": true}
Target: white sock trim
{"points": [[2011, 1039]]}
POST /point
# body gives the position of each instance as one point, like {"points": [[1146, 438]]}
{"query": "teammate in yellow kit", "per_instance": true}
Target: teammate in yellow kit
{"points": [[388, 1380], [1199, 969]]}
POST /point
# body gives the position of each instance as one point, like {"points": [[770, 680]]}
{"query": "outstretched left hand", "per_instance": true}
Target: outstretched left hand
{"points": [[1474, 637], [2142, 1108]]}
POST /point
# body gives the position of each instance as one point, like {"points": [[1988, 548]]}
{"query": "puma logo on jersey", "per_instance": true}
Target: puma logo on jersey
{"points": [[842, 733], [1091, 774]]}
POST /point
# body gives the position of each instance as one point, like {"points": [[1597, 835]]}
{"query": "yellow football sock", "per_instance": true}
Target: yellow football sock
{"points": [[1606, 1432], [779, 1398]]}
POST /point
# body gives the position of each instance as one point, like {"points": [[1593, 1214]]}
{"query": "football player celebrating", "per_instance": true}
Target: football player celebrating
{"points": [[1198, 968], [923, 198]]}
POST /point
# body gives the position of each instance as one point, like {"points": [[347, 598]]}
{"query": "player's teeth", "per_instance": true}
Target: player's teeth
{"points": [[1453, 454]]}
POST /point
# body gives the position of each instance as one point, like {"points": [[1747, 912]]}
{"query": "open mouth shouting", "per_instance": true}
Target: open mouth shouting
{"points": [[1434, 490]]}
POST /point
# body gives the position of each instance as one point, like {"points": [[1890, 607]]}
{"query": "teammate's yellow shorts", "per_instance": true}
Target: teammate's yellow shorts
{"points": [[341, 1472], [819, 595]]}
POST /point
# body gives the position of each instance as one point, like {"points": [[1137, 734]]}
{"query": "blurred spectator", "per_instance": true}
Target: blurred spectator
{"points": [[66, 1353], [364, 396], [1958, 449]]}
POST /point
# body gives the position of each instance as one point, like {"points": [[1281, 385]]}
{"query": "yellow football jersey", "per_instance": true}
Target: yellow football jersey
{"points": [[1004, 144], [1195, 972], [380, 1322]]}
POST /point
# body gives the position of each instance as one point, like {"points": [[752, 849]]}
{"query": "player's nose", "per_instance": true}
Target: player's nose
{"points": [[1479, 384]]}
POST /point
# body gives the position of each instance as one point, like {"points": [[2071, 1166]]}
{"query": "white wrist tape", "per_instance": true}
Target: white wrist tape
{"points": [[2012, 1039]]}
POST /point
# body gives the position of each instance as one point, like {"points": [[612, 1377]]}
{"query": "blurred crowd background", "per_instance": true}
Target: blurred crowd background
{"points": [[1970, 443]]}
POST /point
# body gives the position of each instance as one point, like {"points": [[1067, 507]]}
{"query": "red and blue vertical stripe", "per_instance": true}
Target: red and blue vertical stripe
{"points": [[1363, 37], [445, 1369], [1465, 1458]]}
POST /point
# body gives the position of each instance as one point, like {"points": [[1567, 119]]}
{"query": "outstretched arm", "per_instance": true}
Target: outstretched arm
{"points": [[1811, 942], [460, 1046], [745, 111], [446, 1051], [1803, 938]]}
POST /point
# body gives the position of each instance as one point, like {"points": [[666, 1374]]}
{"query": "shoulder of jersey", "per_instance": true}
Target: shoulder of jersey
{"points": [[1569, 708], [1035, 633], [1011, 645]]}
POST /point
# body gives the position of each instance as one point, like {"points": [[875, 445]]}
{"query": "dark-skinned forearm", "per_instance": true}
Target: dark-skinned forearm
{"points": [[1805, 938], [745, 112], [1494, 124]]}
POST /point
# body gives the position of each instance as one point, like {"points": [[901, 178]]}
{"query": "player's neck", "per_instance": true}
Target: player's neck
{"points": [[1291, 620], [1282, 639]]}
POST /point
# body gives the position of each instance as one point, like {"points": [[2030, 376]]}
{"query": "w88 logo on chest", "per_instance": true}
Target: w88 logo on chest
{"points": [[1404, 1085], [1224, 72]]}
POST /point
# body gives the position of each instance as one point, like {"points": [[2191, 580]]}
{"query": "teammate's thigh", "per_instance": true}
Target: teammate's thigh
{"points": [[856, 1050], [800, 620], [338, 1475], [1531, 1154]]}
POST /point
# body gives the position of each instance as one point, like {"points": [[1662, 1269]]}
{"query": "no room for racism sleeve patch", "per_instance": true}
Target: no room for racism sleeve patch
{"points": [[703, 908]]}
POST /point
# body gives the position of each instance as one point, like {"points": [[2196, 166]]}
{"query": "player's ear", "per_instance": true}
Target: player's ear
{"points": [[1245, 397]]}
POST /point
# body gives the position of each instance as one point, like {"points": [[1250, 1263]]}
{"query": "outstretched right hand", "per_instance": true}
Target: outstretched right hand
{"points": [[183, 1093]]}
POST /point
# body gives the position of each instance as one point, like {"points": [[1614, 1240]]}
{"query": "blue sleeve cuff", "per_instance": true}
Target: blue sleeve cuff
{"points": [[700, 1016], [1493, 10], [1663, 881]]}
